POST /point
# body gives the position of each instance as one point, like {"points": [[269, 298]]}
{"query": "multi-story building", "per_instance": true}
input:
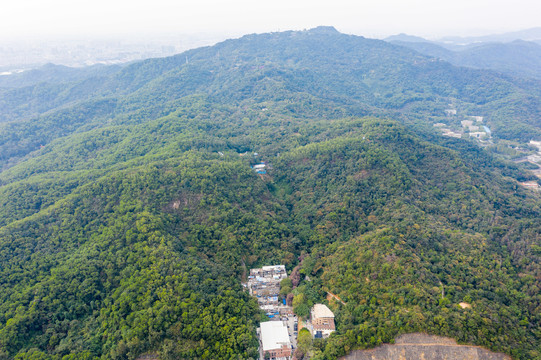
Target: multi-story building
{"points": [[321, 321]]}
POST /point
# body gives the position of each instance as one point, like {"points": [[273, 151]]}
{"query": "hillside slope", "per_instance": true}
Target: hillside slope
{"points": [[343, 75], [129, 230], [517, 58]]}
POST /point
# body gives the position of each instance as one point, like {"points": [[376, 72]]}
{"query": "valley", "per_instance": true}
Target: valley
{"points": [[135, 200]]}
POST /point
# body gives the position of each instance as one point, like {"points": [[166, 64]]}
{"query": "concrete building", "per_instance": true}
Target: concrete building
{"points": [[321, 321], [275, 340], [478, 135], [260, 168], [450, 133]]}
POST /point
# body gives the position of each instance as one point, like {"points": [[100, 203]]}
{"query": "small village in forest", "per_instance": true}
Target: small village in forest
{"points": [[278, 335]]}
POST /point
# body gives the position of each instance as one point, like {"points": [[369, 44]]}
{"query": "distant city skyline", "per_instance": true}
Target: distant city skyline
{"points": [[61, 19]]}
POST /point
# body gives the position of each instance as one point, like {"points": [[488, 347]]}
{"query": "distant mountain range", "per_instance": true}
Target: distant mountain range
{"points": [[54, 74], [533, 34], [516, 54]]}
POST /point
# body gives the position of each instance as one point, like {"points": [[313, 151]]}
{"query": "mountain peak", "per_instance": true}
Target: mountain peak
{"points": [[405, 37], [330, 30]]}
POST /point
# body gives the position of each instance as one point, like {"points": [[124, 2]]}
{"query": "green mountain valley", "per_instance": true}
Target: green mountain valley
{"points": [[130, 212]]}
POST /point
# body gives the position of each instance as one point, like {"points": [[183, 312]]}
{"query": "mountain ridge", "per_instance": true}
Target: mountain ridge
{"points": [[126, 230], [347, 76], [516, 58]]}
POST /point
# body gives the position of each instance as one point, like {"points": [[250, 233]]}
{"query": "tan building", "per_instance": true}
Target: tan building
{"points": [[321, 321]]}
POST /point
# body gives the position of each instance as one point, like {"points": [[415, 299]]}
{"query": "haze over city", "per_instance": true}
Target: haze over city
{"points": [[76, 33], [53, 19]]}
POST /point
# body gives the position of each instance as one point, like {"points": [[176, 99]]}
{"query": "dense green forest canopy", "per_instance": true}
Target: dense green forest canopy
{"points": [[319, 73], [129, 211]]}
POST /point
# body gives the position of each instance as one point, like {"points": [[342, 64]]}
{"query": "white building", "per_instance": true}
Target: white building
{"points": [[275, 340]]}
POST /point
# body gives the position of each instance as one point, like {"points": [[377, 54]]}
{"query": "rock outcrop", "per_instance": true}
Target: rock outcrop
{"points": [[425, 347]]}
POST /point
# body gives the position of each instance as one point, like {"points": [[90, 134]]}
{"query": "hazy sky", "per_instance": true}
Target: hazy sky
{"points": [[374, 18]]}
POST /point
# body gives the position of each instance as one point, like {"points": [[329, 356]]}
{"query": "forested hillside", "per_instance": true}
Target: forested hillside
{"points": [[129, 212], [517, 58], [317, 73]]}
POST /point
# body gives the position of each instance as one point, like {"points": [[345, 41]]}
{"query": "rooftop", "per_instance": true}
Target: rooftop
{"points": [[274, 268], [329, 325], [274, 335], [322, 311]]}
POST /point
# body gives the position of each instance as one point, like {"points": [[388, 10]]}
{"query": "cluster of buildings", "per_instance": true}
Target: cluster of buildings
{"points": [[476, 128], [277, 341], [278, 336], [535, 159], [264, 284], [473, 125]]}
